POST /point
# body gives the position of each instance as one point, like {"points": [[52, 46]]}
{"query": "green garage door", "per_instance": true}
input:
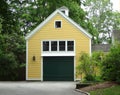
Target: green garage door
{"points": [[58, 68]]}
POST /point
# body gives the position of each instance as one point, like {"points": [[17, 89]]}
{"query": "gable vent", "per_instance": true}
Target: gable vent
{"points": [[65, 10]]}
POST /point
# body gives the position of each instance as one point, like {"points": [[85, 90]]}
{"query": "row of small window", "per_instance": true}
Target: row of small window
{"points": [[58, 45]]}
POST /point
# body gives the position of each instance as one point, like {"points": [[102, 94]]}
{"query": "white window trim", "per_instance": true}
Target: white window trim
{"points": [[57, 53], [66, 46], [57, 45], [55, 22]]}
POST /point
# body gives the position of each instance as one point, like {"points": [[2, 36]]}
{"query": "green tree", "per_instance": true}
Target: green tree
{"points": [[12, 56], [116, 16], [15, 44], [0, 25], [100, 14], [33, 12], [12, 43], [10, 24]]}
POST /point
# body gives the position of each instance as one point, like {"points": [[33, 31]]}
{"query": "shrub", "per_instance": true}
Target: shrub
{"points": [[90, 78], [97, 58], [85, 67], [90, 66], [111, 64]]}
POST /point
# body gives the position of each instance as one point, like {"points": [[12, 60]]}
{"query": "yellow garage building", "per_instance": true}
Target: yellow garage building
{"points": [[54, 46]]}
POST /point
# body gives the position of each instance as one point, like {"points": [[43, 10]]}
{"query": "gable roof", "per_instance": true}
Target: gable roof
{"points": [[50, 17]]}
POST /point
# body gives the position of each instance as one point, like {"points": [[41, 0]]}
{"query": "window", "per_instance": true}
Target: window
{"points": [[53, 45], [57, 24], [70, 45], [61, 45], [45, 45], [58, 46]]}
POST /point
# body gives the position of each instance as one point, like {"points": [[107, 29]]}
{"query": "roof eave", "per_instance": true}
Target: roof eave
{"points": [[79, 27], [41, 25]]}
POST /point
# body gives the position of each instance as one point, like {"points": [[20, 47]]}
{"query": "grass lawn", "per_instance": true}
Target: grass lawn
{"points": [[114, 90]]}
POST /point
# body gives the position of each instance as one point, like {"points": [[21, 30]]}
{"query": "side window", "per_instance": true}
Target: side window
{"points": [[45, 45], [70, 45], [61, 45], [53, 45], [58, 24]]}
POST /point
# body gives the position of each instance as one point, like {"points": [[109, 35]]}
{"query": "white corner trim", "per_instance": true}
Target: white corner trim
{"points": [[41, 62], [90, 47], [26, 59], [51, 16]]}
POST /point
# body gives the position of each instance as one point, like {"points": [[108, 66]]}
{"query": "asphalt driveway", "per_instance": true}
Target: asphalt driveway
{"points": [[38, 88]]}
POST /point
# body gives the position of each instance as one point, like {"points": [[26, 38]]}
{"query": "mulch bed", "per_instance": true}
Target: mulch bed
{"points": [[98, 86]]}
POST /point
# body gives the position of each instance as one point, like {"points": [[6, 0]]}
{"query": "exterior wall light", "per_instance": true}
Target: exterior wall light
{"points": [[33, 58]]}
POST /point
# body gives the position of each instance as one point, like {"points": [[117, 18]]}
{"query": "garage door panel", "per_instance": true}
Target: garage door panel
{"points": [[58, 68]]}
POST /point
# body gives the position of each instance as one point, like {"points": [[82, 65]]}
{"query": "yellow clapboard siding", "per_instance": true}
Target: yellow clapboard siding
{"points": [[48, 32]]}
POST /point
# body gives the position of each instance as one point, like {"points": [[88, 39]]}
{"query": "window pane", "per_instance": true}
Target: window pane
{"points": [[58, 24], [61, 45], [46, 46], [53, 45], [70, 45]]}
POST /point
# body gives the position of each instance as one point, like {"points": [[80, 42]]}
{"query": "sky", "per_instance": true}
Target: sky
{"points": [[116, 5]]}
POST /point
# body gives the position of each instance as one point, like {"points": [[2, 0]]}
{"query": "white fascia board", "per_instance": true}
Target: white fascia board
{"points": [[75, 24], [41, 25]]}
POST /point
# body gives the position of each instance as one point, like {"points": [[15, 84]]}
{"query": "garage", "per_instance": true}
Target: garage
{"points": [[58, 68]]}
